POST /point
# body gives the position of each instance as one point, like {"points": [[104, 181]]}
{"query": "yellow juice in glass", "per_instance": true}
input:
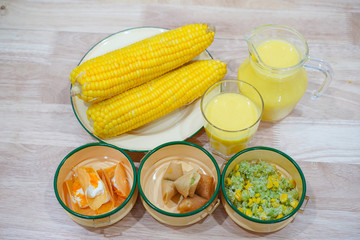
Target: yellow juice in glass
{"points": [[280, 88], [232, 120]]}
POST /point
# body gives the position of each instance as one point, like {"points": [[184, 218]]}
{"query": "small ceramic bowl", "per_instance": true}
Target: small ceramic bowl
{"points": [[282, 161], [149, 181], [96, 151]]}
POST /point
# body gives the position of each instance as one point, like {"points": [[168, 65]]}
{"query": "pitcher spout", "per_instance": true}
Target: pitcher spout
{"points": [[249, 39]]}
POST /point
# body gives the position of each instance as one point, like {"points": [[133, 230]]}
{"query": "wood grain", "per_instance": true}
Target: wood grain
{"points": [[42, 41]]}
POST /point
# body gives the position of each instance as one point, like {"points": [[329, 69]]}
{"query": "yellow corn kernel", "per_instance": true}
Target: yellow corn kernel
{"points": [[117, 71], [279, 216], [229, 182], [263, 201], [269, 184], [283, 197], [263, 216], [241, 209], [292, 181], [248, 212], [248, 185], [294, 203], [275, 204], [276, 183], [238, 192], [237, 173], [258, 200], [257, 195], [237, 166], [260, 209], [250, 202], [238, 197]]}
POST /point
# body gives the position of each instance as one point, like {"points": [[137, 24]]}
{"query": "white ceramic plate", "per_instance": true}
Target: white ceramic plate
{"points": [[176, 126]]}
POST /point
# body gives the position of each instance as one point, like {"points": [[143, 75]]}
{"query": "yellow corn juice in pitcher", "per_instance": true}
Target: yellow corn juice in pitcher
{"points": [[280, 85], [231, 118]]}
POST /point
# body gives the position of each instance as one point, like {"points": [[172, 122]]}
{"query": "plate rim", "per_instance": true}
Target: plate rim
{"points": [[87, 52]]}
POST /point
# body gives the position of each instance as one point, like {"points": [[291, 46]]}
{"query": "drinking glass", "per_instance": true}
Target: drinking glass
{"points": [[232, 111]]}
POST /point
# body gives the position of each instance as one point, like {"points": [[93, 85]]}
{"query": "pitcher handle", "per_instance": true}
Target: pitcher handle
{"points": [[325, 68]]}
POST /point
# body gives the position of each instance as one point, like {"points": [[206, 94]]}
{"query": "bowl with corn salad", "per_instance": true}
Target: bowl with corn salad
{"points": [[263, 189]]}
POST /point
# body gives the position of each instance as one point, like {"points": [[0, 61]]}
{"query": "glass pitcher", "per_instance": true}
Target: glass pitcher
{"points": [[276, 67]]}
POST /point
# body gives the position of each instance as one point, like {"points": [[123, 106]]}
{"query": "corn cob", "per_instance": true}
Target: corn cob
{"points": [[117, 71], [154, 99]]}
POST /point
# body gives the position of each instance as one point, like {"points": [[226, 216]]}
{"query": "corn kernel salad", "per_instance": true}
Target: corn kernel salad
{"points": [[258, 190]]}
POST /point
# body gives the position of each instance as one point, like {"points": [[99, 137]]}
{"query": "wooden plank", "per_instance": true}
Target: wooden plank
{"points": [[94, 17]]}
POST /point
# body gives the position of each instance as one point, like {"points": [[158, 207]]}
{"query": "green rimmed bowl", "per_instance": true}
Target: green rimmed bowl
{"points": [[287, 166], [150, 175], [87, 152]]}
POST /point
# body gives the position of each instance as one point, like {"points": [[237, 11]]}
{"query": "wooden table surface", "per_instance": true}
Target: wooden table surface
{"points": [[42, 41]]}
